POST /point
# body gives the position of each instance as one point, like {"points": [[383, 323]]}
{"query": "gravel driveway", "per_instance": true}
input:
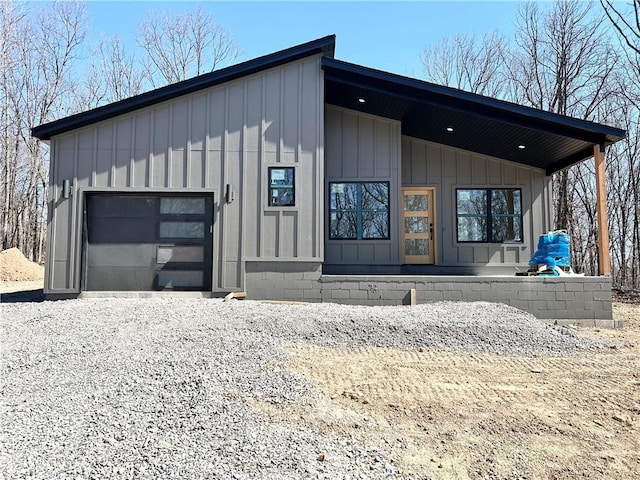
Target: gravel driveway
{"points": [[159, 388]]}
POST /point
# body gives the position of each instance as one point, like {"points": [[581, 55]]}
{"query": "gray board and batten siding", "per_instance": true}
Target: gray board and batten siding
{"points": [[198, 144], [446, 168], [363, 147]]}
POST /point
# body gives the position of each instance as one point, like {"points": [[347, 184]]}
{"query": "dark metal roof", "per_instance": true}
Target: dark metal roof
{"points": [[480, 124], [325, 46]]}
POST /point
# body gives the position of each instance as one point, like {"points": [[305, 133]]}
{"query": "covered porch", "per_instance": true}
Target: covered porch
{"points": [[451, 141], [454, 143]]}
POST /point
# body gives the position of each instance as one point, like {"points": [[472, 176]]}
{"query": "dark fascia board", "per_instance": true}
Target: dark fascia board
{"points": [[325, 46], [570, 161], [420, 91]]}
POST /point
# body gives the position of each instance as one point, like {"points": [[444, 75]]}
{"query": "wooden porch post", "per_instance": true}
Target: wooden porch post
{"points": [[604, 262]]}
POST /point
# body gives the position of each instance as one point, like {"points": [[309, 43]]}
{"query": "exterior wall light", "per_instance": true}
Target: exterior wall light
{"points": [[66, 188]]}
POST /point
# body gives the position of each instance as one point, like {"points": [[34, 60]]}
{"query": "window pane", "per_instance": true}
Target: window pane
{"points": [[415, 224], [344, 196], [180, 278], [281, 176], [181, 229], [506, 229], [415, 203], [175, 206], [375, 224], [375, 196], [473, 202], [506, 202], [472, 229], [282, 196], [193, 253], [416, 246], [343, 225]]}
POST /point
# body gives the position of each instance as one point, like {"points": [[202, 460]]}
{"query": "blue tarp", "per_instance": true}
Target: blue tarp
{"points": [[553, 250]]}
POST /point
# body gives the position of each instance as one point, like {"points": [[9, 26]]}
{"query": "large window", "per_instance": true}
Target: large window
{"points": [[489, 215], [359, 210]]}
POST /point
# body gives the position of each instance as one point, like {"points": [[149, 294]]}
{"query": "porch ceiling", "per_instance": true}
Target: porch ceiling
{"points": [[480, 124]]}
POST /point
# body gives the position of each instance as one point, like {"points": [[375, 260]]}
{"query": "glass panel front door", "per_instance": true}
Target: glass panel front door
{"points": [[418, 225]]}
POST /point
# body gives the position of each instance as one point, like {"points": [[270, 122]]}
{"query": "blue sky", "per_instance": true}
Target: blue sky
{"points": [[385, 35]]}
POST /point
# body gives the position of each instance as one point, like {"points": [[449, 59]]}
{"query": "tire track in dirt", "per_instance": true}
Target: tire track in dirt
{"points": [[467, 415]]}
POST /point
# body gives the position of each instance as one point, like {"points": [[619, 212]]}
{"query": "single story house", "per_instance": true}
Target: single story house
{"points": [[299, 176]]}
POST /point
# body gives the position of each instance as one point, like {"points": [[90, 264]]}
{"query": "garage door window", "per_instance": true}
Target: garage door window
{"points": [[182, 206], [181, 229]]}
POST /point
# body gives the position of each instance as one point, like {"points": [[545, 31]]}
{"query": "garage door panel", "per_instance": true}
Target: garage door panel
{"points": [[118, 279], [122, 255], [113, 230], [122, 206], [180, 278], [178, 253]]}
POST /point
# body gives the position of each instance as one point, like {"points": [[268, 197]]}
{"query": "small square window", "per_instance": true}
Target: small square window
{"points": [[282, 189]]}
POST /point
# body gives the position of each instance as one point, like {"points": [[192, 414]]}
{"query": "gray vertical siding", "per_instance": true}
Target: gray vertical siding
{"points": [[229, 134], [362, 147], [434, 165]]}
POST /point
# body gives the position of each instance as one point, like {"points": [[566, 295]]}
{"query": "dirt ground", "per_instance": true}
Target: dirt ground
{"points": [[455, 415], [17, 274]]}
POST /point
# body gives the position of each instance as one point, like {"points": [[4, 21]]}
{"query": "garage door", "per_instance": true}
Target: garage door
{"points": [[141, 243]]}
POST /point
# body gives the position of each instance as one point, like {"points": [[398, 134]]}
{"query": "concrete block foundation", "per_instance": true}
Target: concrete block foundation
{"points": [[563, 300]]}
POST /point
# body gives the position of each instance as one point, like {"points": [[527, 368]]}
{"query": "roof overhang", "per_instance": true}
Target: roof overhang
{"points": [[465, 120], [324, 46]]}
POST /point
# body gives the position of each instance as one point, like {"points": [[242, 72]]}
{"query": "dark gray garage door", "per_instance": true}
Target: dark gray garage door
{"points": [[140, 243]]}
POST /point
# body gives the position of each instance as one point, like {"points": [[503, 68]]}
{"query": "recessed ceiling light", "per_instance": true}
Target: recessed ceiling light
{"points": [[449, 129], [361, 100], [521, 147]]}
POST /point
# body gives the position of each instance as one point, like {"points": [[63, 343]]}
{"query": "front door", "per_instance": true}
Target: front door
{"points": [[418, 225]]}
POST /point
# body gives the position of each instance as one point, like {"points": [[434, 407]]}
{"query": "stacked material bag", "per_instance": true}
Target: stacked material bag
{"points": [[552, 256]]}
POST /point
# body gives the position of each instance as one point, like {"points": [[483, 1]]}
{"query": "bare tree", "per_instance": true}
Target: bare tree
{"points": [[36, 89], [626, 24], [113, 74], [625, 183], [11, 17], [565, 64], [468, 63], [184, 45]]}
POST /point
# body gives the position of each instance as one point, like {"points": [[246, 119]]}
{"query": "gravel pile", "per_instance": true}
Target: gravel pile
{"points": [[157, 388]]}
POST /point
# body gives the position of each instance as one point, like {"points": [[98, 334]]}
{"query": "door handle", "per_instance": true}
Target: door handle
{"points": [[431, 231]]}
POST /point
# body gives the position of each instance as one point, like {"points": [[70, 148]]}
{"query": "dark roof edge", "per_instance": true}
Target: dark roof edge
{"points": [[325, 46], [612, 134]]}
